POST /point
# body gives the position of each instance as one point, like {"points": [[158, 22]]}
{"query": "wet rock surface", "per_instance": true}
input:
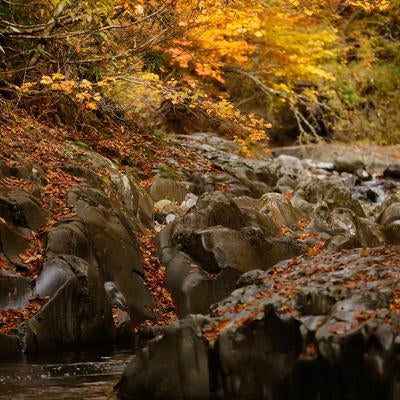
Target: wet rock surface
{"points": [[77, 294]]}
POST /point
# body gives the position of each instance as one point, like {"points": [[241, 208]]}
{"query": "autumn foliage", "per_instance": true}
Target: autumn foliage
{"points": [[229, 66]]}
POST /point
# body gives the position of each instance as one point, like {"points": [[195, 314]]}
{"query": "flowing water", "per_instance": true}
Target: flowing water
{"points": [[78, 374]]}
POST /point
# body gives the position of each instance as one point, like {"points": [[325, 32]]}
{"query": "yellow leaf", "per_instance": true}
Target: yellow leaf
{"points": [[91, 106], [46, 80], [80, 97], [56, 87], [97, 97], [26, 87], [58, 77], [85, 84]]}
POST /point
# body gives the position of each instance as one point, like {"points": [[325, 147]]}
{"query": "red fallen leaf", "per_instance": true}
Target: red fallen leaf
{"points": [[155, 276], [12, 317], [332, 329], [304, 235], [147, 182], [302, 223], [363, 315], [288, 194], [311, 349], [283, 230], [30, 259], [317, 248], [286, 309], [223, 187]]}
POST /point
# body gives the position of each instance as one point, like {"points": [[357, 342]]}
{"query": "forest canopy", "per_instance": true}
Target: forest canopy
{"points": [[248, 69]]}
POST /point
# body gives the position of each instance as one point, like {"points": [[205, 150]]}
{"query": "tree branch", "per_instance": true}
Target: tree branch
{"points": [[56, 14]]}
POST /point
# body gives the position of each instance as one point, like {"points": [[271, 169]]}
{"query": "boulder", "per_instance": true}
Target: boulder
{"points": [[115, 251], [392, 172], [91, 177], [218, 247], [280, 209], [332, 192], [389, 218], [22, 209], [166, 188], [254, 360], [215, 209], [349, 163], [285, 183], [147, 376], [78, 310], [200, 290], [69, 237], [8, 345], [15, 290], [285, 165], [390, 214], [14, 241], [135, 199]]}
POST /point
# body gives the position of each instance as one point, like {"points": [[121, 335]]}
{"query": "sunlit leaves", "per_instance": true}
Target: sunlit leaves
{"points": [[83, 91]]}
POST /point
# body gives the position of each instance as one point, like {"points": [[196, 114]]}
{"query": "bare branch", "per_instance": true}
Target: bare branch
{"points": [[56, 14]]}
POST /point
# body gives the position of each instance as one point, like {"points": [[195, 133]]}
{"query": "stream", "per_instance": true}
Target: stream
{"points": [[78, 374]]}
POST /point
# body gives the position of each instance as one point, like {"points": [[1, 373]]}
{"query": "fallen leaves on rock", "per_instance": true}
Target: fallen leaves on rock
{"points": [[330, 273], [317, 248], [155, 276], [10, 318], [34, 255], [284, 230]]}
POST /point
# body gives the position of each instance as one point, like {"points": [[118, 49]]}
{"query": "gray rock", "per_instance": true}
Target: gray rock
{"points": [[392, 232], [369, 233], [135, 199], [91, 177], [286, 183], [77, 312], [392, 172], [389, 218], [254, 360], [15, 290], [349, 163], [69, 237], [287, 165], [147, 376], [22, 209], [8, 345], [335, 194], [213, 210], [199, 291], [14, 241], [178, 268], [115, 295], [116, 253], [247, 202], [165, 188], [280, 209], [342, 242], [390, 214]]}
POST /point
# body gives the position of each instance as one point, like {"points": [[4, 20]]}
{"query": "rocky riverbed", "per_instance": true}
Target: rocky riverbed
{"points": [[284, 270], [287, 271]]}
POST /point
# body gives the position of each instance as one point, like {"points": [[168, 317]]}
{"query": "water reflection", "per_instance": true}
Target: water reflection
{"points": [[78, 374]]}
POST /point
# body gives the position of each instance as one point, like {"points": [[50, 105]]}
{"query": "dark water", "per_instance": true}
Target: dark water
{"points": [[78, 374]]}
